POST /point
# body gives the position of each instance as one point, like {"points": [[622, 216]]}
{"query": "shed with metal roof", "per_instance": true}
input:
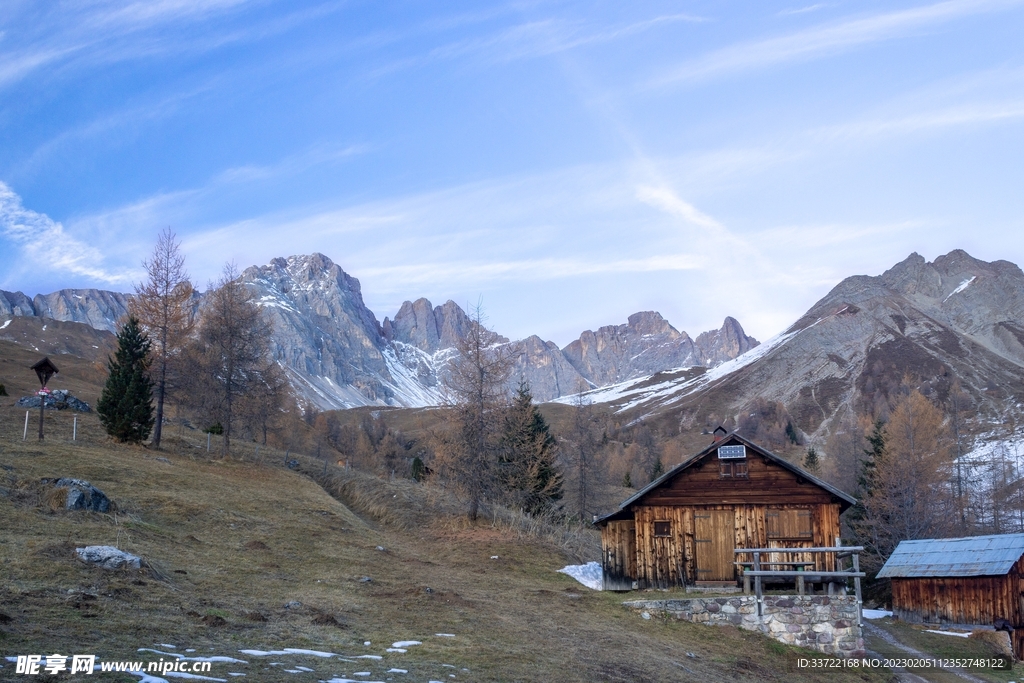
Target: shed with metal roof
{"points": [[684, 527], [971, 581]]}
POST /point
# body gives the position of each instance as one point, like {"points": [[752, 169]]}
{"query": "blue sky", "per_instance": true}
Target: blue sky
{"points": [[564, 163]]}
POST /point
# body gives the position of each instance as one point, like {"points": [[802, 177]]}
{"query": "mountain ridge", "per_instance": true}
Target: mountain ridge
{"points": [[337, 355]]}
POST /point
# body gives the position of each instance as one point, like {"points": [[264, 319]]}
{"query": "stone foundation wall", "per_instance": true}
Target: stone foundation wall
{"points": [[827, 623]]}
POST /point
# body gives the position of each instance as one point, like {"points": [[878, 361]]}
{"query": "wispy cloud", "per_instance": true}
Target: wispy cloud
{"points": [[822, 40], [803, 10], [44, 244], [530, 40]]}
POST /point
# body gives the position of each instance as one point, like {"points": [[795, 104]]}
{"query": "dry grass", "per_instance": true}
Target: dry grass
{"points": [[246, 553]]}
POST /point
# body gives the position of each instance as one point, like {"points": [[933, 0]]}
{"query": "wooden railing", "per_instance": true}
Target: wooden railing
{"points": [[756, 569]]}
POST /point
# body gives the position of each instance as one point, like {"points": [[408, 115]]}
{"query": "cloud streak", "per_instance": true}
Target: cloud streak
{"points": [[822, 40], [45, 244]]}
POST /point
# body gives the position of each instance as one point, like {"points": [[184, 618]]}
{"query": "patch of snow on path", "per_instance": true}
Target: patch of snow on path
{"points": [[5, 324], [406, 643], [588, 574], [958, 634]]}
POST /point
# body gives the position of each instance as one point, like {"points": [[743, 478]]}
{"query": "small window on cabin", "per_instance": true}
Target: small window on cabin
{"points": [[662, 529], [732, 470]]}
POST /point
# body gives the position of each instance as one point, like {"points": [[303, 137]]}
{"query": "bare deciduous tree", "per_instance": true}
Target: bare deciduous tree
{"points": [[909, 494], [477, 394], [163, 306], [232, 348]]}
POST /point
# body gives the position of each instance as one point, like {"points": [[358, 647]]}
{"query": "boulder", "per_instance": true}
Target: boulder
{"points": [[74, 494], [61, 399], [108, 557]]}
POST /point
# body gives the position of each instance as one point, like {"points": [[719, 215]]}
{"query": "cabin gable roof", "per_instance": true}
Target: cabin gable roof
{"points": [[666, 480]]}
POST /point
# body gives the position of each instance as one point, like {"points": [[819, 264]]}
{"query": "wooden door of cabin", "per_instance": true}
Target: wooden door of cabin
{"points": [[714, 545]]}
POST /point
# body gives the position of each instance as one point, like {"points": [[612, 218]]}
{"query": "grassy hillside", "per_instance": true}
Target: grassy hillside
{"points": [[231, 543]]}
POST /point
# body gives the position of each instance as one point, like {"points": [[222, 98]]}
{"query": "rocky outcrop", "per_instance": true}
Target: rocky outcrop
{"points": [[324, 336], [97, 308], [647, 344], [15, 304]]}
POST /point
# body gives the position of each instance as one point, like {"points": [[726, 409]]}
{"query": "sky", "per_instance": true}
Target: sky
{"points": [[562, 164]]}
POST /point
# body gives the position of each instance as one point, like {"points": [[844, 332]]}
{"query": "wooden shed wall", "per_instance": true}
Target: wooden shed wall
{"points": [[618, 552], [964, 600], [662, 562]]}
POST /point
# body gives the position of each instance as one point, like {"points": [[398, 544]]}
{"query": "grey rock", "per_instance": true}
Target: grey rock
{"points": [[108, 557], [61, 399], [81, 495]]}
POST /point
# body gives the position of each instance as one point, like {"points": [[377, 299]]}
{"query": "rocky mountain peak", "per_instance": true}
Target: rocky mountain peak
{"points": [[650, 322]]}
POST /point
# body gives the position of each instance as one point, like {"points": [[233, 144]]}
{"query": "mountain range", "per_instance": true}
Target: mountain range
{"points": [[954, 321], [337, 355]]}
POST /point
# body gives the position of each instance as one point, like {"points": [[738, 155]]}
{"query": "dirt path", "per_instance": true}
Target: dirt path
{"points": [[901, 673]]}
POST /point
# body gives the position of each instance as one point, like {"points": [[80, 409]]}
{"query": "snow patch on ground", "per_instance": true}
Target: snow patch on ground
{"points": [[958, 634], [588, 574], [5, 324]]}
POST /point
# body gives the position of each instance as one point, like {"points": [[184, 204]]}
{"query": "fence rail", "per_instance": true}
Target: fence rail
{"points": [[757, 572]]}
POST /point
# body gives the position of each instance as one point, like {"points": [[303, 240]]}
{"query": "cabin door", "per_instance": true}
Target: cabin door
{"points": [[714, 545]]}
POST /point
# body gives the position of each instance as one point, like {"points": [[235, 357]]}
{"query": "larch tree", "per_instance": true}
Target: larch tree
{"points": [[527, 470], [582, 446], [908, 493], [163, 305], [232, 350], [125, 407], [476, 388]]}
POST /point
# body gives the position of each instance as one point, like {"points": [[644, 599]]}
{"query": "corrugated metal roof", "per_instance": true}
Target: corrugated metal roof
{"points": [[972, 556]]}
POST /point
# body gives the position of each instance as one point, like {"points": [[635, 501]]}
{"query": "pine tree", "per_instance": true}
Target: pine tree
{"points": [[811, 462], [126, 406], [527, 469]]}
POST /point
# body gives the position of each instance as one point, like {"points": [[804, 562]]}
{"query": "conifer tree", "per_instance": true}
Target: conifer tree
{"points": [[527, 469], [126, 406], [811, 461]]}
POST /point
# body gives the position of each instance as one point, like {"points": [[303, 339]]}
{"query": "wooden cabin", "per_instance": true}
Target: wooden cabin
{"points": [[969, 581], [684, 527]]}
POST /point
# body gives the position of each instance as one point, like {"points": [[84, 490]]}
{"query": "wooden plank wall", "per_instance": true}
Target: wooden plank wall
{"points": [[665, 562], [964, 600], [660, 562], [618, 546]]}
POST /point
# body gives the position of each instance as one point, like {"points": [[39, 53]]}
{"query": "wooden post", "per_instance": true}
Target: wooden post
{"points": [[856, 588], [74, 430], [24, 435], [799, 585], [42, 409], [757, 583]]}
